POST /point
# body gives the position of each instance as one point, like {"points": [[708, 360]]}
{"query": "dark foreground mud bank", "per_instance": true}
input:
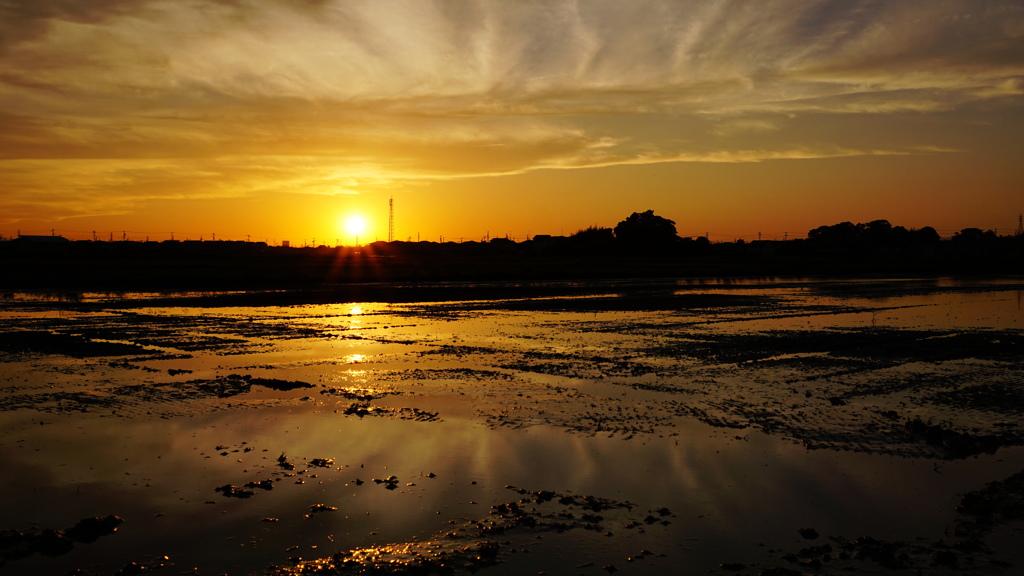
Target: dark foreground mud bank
{"points": [[748, 427]]}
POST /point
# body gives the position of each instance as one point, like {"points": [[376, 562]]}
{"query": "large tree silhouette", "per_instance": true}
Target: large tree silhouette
{"points": [[876, 232], [646, 229]]}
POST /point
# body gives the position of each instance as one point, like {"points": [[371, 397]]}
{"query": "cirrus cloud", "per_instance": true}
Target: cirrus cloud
{"points": [[407, 90]]}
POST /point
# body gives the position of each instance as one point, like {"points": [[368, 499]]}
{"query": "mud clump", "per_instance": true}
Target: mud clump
{"points": [[390, 483], [235, 384], [359, 395], [261, 484], [362, 409], [232, 491], [997, 502], [978, 513], [134, 568], [60, 402], [320, 508], [16, 544], [1004, 397], [414, 558], [471, 546], [955, 444], [274, 383], [88, 530], [73, 345], [163, 398], [808, 533], [866, 554]]}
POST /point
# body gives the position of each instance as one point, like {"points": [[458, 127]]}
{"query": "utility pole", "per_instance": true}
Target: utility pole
{"points": [[1020, 225], [391, 219]]}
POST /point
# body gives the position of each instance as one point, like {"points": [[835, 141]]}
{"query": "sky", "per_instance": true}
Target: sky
{"points": [[278, 120]]}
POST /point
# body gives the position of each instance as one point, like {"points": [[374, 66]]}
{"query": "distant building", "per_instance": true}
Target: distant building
{"points": [[286, 243]]}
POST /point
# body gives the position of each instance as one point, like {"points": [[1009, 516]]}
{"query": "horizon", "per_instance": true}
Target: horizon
{"points": [[312, 243], [281, 121]]}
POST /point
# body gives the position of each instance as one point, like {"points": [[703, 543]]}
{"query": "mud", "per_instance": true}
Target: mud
{"points": [[16, 544], [963, 551], [25, 342], [485, 542], [167, 397], [376, 437]]}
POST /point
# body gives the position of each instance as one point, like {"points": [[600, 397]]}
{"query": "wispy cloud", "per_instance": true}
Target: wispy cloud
{"points": [[406, 89]]}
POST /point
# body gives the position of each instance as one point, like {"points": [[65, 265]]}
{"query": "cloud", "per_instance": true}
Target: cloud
{"points": [[146, 91], [93, 187]]}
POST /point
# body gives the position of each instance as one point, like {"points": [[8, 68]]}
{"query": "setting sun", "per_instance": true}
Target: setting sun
{"points": [[355, 225]]}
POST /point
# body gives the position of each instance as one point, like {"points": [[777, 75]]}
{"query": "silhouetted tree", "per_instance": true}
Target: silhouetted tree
{"points": [[899, 235], [876, 230], [693, 246], [838, 233], [646, 229], [594, 234], [593, 239], [974, 235], [926, 234], [875, 233]]}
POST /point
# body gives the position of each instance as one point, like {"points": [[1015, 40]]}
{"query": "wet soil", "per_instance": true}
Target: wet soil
{"points": [[15, 544], [920, 370], [962, 551], [485, 542]]}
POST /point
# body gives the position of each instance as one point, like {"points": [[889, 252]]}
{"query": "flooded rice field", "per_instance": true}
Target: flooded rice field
{"points": [[747, 427]]}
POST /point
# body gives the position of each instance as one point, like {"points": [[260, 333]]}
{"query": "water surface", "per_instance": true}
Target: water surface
{"points": [[714, 419]]}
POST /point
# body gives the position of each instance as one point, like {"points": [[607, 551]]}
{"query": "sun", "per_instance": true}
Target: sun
{"points": [[355, 225]]}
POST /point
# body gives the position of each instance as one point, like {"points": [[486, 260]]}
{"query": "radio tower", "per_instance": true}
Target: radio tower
{"points": [[1020, 225], [391, 219]]}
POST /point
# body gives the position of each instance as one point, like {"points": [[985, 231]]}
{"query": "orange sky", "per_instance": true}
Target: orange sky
{"points": [[276, 120]]}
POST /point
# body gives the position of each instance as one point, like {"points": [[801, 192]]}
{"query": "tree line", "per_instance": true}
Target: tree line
{"points": [[641, 245]]}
